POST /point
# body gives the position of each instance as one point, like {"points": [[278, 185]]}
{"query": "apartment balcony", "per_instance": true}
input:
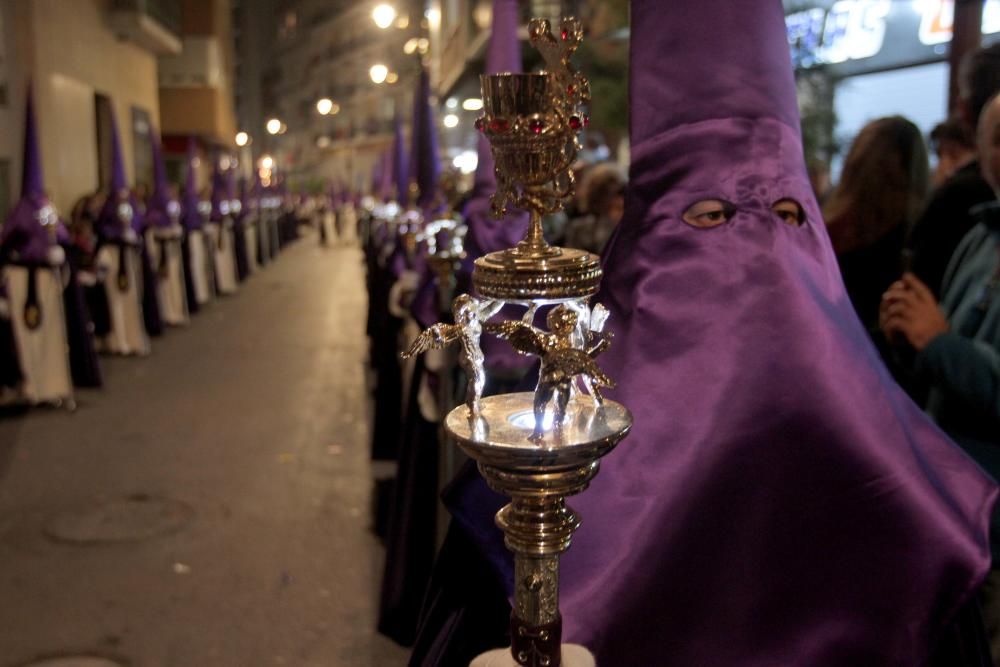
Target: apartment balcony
{"points": [[151, 24]]}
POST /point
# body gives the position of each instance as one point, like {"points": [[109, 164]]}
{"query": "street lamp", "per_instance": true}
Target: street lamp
{"points": [[266, 162], [472, 104], [273, 126], [378, 73], [383, 15], [242, 139], [450, 120], [324, 106]]}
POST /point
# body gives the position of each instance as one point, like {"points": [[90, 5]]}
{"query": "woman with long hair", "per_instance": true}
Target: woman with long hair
{"points": [[882, 191]]}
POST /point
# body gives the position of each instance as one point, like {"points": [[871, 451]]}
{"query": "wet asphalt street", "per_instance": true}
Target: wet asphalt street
{"points": [[211, 506]]}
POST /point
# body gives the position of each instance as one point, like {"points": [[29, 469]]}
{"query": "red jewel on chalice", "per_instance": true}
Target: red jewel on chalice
{"points": [[576, 122], [537, 125], [499, 125], [570, 89], [565, 34]]}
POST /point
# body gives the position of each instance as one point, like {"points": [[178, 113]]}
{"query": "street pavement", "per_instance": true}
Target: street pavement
{"points": [[211, 506]]}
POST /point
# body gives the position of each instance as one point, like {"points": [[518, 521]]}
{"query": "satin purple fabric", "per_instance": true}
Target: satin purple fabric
{"points": [[780, 501]]}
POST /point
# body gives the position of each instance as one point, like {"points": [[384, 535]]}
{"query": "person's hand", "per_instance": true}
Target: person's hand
{"points": [[910, 311]]}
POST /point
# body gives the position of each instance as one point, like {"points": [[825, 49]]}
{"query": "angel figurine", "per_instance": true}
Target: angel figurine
{"points": [[561, 361], [469, 314]]}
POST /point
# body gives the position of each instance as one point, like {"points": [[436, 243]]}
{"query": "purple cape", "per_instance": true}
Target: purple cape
{"points": [[780, 501]]}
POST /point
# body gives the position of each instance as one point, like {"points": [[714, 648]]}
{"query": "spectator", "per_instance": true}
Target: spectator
{"points": [[947, 217], [881, 192], [602, 193], [957, 343], [955, 147]]}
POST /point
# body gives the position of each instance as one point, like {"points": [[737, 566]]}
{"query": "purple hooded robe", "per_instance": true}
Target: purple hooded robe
{"points": [[780, 501], [25, 240]]}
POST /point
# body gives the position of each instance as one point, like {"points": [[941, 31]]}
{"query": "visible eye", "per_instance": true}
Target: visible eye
{"points": [[789, 212], [709, 213]]}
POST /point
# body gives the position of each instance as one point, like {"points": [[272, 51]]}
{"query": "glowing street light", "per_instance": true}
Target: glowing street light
{"points": [[273, 126], [324, 105], [383, 15], [378, 73], [472, 104], [242, 139], [266, 162], [451, 120], [391, 77]]}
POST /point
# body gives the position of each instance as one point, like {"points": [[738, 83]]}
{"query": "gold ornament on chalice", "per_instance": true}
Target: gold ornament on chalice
{"points": [[536, 447]]}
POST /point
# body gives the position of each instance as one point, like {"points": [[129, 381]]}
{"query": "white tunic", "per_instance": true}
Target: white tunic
{"points": [[171, 288], [250, 240], [348, 224], [201, 267], [43, 351], [128, 330], [223, 254], [328, 220]]}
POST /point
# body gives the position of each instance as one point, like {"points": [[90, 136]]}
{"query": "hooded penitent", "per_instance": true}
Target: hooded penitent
{"points": [[32, 228], [190, 215], [487, 233], [161, 201], [220, 192], [30, 237], [779, 501], [425, 165], [111, 225], [400, 175]]}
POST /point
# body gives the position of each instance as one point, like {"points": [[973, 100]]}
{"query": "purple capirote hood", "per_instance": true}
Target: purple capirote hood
{"points": [[158, 205], [780, 501], [486, 232], [110, 227], [23, 237], [425, 163]]}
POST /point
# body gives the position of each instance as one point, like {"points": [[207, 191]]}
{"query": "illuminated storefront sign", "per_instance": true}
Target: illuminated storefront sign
{"points": [[936, 17], [888, 32]]}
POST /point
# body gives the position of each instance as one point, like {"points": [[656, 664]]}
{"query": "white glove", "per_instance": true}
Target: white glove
{"points": [[56, 256]]}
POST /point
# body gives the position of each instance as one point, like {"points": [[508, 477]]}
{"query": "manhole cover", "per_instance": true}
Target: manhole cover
{"points": [[75, 661], [132, 519]]}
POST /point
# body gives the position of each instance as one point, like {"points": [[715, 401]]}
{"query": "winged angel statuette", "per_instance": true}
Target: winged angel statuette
{"points": [[561, 361], [469, 314]]}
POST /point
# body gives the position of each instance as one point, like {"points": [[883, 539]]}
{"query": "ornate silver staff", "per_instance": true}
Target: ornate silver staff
{"points": [[536, 447]]}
